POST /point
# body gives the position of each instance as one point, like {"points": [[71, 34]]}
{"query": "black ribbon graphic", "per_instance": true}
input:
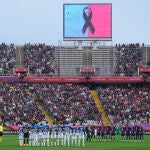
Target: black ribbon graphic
{"points": [[87, 19]]}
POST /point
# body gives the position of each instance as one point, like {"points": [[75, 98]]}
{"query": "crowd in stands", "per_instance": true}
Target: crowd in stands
{"points": [[128, 58], [40, 59], [7, 59], [73, 103], [17, 104], [126, 103], [67, 103]]}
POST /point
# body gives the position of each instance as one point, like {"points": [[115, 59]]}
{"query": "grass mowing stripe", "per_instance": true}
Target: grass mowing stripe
{"points": [[10, 142]]}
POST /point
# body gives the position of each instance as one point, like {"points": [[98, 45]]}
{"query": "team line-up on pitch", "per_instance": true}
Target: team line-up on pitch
{"points": [[55, 136], [75, 136]]}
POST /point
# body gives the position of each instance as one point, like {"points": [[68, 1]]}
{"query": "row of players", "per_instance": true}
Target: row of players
{"points": [[55, 136], [75, 136], [116, 133]]}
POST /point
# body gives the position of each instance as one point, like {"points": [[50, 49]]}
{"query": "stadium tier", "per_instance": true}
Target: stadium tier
{"points": [[73, 103], [47, 60]]}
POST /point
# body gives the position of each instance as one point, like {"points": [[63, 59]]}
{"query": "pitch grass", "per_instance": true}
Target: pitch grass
{"points": [[10, 142]]}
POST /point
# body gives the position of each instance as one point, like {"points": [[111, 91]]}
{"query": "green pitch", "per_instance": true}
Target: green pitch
{"points": [[10, 142]]}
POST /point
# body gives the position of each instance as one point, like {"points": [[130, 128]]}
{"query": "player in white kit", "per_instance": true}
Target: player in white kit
{"points": [[36, 138], [74, 137], [31, 133], [60, 137], [95, 134], [21, 135], [53, 137], [47, 132], [34, 133], [80, 137], [67, 137], [40, 137]]}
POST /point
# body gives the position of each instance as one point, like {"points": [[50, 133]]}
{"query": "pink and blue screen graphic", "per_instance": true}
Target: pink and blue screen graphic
{"points": [[87, 21]]}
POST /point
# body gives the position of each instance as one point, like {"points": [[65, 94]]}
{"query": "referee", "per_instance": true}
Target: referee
{"points": [[1, 132]]}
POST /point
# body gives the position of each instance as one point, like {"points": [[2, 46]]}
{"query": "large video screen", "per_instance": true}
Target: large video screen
{"points": [[87, 21]]}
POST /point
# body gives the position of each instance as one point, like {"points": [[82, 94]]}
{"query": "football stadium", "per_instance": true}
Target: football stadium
{"points": [[83, 93]]}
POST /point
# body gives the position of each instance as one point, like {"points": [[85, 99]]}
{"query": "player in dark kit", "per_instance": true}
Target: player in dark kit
{"points": [[88, 132], [141, 137], [26, 135], [108, 129], [133, 133], [128, 133], [137, 133], [92, 133], [113, 134], [99, 133], [123, 132], [103, 133]]}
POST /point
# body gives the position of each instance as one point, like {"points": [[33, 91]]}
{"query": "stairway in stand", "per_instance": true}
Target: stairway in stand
{"points": [[105, 119], [48, 118], [19, 58]]}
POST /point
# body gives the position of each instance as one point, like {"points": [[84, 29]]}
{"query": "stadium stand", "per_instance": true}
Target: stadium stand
{"points": [[42, 59], [39, 58], [128, 58], [126, 103], [67, 103], [18, 104], [7, 59]]}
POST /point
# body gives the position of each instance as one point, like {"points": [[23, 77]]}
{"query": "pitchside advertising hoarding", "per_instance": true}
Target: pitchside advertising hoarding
{"points": [[87, 21]]}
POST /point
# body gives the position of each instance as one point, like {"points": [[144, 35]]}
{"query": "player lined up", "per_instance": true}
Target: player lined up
{"points": [[74, 136], [56, 136], [115, 133]]}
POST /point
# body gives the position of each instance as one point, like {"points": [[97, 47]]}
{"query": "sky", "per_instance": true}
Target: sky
{"points": [[41, 21]]}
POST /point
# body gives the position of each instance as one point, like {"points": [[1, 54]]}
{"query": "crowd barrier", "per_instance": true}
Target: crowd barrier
{"points": [[76, 79]]}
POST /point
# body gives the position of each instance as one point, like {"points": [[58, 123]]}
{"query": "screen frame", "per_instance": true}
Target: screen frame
{"points": [[86, 38]]}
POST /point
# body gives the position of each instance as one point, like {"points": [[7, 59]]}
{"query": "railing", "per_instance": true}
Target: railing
{"points": [[69, 74]]}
